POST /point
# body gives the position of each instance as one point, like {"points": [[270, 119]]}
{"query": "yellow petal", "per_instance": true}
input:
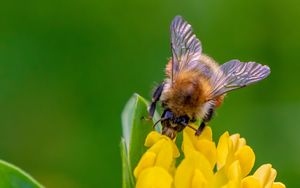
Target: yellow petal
{"points": [[157, 146], [234, 171], [187, 144], [242, 142], [233, 175], [278, 185], [165, 156], [198, 180], [251, 182], [271, 179], [205, 134], [222, 150], [235, 141], [153, 137], [220, 178], [201, 143], [176, 152], [266, 175], [154, 177], [186, 169], [184, 174], [146, 161], [201, 163], [232, 184], [246, 157], [190, 131], [208, 149]]}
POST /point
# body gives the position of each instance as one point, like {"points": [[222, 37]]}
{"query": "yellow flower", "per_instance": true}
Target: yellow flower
{"points": [[204, 165], [264, 176], [194, 171], [235, 160], [157, 166], [154, 177], [202, 144]]}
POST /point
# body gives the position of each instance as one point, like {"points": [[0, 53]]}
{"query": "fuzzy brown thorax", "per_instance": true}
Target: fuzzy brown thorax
{"points": [[187, 94]]}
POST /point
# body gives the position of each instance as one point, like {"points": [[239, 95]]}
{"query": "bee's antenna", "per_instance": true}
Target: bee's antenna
{"points": [[188, 125], [161, 119]]}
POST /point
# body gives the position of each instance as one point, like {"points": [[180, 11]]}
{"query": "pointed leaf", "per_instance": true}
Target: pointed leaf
{"points": [[136, 126], [13, 177], [127, 178]]}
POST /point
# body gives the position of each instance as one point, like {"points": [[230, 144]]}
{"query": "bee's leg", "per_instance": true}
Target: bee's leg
{"points": [[205, 120], [200, 128], [155, 98], [192, 127]]}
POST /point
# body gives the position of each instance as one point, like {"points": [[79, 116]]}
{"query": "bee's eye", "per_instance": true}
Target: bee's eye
{"points": [[167, 114]]}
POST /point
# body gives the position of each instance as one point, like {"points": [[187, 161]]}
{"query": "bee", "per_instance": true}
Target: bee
{"points": [[195, 85]]}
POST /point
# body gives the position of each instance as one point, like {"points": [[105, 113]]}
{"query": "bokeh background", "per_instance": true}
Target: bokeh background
{"points": [[68, 67]]}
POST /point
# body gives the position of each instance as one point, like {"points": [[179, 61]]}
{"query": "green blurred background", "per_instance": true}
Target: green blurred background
{"points": [[68, 67]]}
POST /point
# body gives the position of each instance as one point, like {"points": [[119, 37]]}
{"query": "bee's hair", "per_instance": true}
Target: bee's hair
{"points": [[187, 93]]}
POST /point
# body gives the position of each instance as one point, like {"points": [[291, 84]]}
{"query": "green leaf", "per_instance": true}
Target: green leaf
{"points": [[136, 127], [127, 178], [13, 177]]}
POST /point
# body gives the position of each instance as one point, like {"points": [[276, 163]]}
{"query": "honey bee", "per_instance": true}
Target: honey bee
{"points": [[195, 85]]}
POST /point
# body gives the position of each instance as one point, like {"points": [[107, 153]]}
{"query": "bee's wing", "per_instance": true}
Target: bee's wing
{"points": [[186, 48], [235, 74]]}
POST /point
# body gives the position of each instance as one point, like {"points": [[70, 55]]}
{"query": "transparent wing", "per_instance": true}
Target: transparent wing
{"points": [[235, 74], [186, 48]]}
